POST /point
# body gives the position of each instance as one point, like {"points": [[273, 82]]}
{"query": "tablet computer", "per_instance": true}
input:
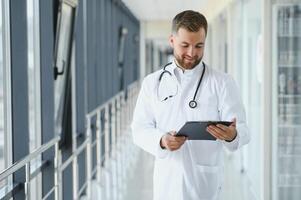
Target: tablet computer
{"points": [[196, 130]]}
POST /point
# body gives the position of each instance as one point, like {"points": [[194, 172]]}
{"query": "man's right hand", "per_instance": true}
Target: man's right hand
{"points": [[172, 142]]}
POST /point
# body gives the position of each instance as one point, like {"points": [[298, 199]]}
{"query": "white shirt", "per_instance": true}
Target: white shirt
{"points": [[195, 170]]}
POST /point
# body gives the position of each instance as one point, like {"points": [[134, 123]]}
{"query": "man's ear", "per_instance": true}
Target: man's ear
{"points": [[171, 40]]}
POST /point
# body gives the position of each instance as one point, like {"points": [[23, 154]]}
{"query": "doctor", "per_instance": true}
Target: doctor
{"points": [[188, 90]]}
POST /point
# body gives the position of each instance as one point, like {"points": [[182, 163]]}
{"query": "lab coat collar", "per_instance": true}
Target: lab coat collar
{"points": [[171, 68]]}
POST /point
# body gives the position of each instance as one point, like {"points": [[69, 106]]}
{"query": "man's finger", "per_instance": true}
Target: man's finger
{"points": [[175, 141], [173, 133], [223, 127], [180, 139], [218, 136], [215, 133], [176, 145], [233, 122], [217, 130]]}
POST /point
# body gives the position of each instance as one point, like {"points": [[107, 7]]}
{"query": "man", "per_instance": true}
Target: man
{"points": [[188, 90]]}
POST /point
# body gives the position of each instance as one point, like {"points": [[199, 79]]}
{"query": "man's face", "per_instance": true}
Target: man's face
{"points": [[188, 47]]}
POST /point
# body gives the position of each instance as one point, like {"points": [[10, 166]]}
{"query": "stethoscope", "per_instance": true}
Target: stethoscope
{"points": [[192, 103]]}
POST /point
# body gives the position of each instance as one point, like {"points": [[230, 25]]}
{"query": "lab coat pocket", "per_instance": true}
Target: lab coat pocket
{"points": [[207, 181]]}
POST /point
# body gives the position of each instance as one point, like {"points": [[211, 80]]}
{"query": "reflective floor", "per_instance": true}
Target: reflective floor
{"points": [[140, 186], [137, 182]]}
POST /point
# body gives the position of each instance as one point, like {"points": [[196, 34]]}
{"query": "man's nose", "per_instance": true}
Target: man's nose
{"points": [[190, 51]]}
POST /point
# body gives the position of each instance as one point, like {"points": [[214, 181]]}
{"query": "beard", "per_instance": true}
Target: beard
{"points": [[187, 65]]}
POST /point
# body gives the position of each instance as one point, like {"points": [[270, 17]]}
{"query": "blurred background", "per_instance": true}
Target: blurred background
{"points": [[70, 72]]}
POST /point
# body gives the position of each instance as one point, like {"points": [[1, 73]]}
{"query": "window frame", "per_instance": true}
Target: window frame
{"points": [[61, 83], [7, 93]]}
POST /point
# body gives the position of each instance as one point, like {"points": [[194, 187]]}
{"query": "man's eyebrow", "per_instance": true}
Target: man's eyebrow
{"points": [[200, 43], [188, 43]]}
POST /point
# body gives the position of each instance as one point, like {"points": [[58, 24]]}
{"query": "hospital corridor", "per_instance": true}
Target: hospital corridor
{"points": [[150, 100]]}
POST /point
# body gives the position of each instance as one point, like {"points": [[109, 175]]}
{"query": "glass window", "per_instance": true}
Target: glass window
{"points": [[2, 165], [251, 82], [246, 57], [286, 157], [243, 56], [34, 88], [34, 75], [62, 57], [5, 99]]}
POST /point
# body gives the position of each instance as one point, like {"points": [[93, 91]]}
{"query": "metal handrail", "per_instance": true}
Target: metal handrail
{"points": [[120, 115], [18, 165], [79, 150], [102, 106], [116, 122]]}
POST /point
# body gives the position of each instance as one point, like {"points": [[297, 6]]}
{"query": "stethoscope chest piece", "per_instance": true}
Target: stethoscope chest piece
{"points": [[192, 104]]}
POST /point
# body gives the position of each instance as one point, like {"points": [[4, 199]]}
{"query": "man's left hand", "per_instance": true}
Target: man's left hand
{"points": [[222, 132]]}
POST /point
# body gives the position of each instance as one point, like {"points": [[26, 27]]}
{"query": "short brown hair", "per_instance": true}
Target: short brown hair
{"points": [[189, 20]]}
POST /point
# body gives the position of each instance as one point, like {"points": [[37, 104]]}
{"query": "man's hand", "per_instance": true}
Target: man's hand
{"points": [[172, 142], [223, 132]]}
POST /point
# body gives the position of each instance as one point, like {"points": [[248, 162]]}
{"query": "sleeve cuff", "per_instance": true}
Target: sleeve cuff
{"points": [[234, 144], [161, 153]]}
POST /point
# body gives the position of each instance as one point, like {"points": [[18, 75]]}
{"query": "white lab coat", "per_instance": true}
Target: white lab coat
{"points": [[193, 172]]}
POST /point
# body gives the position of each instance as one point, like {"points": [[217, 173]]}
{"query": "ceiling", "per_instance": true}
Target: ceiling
{"points": [[153, 10]]}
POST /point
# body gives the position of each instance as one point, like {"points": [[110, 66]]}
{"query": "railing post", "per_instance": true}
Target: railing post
{"points": [[56, 171], [107, 155], [119, 148], [113, 149], [120, 114], [89, 159], [98, 146], [75, 177], [129, 106], [113, 126], [107, 139], [123, 115], [27, 181], [119, 117]]}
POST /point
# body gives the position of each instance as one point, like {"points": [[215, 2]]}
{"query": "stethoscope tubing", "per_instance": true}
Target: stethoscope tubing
{"points": [[192, 103]]}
